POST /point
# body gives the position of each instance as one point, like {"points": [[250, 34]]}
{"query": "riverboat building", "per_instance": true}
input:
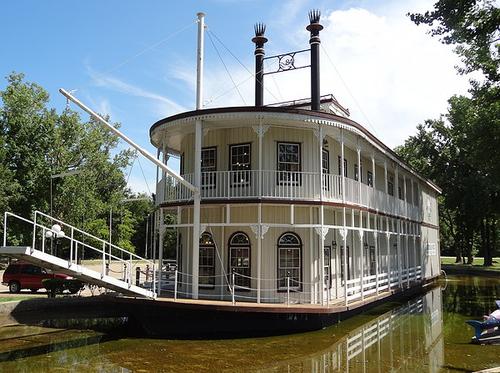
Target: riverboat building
{"points": [[297, 203]]}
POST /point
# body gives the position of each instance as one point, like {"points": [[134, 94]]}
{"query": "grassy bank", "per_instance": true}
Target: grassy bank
{"points": [[476, 265], [14, 298]]}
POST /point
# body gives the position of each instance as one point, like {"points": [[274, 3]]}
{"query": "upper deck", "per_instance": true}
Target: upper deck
{"points": [[383, 183]]}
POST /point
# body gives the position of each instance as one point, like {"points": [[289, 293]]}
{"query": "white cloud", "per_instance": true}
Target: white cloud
{"points": [[397, 73], [164, 105]]}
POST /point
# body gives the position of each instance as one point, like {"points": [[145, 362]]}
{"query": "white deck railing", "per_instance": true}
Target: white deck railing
{"points": [[253, 184], [73, 243]]}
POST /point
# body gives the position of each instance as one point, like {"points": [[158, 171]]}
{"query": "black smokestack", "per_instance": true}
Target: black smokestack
{"points": [[259, 41], [314, 28]]}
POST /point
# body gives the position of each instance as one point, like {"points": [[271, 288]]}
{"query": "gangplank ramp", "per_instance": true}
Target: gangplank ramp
{"points": [[41, 259], [37, 255]]}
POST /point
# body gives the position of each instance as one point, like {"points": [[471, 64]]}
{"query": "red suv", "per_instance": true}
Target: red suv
{"points": [[19, 275]]}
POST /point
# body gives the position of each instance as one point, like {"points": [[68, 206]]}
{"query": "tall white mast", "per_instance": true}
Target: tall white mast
{"points": [[197, 156]]}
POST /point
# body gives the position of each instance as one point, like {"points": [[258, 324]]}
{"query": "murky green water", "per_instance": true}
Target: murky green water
{"points": [[426, 334]]}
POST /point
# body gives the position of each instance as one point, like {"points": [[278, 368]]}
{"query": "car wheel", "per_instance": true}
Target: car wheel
{"points": [[14, 287], [34, 290]]}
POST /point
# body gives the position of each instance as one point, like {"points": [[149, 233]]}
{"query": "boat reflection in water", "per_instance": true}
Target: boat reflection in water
{"points": [[407, 338]]}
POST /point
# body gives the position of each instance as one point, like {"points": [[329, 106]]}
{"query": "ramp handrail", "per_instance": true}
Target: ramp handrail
{"points": [[128, 267], [90, 235]]}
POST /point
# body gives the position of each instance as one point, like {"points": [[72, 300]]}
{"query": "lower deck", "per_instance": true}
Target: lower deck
{"points": [[296, 255]]}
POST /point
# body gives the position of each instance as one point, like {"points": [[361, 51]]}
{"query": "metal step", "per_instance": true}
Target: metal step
{"points": [[77, 271]]}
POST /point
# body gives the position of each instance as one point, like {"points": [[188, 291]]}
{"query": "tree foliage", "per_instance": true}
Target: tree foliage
{"points": [[36, 142], [473, 27], [460, 150]]}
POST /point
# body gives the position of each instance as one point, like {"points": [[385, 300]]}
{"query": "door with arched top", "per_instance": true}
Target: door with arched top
{"points": [[239, 260]]}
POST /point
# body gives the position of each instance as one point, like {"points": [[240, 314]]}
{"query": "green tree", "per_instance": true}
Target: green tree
{"points": [[37, 142], [473, 27]]}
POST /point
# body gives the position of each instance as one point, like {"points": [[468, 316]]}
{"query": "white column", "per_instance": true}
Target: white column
{"points": [[312, 266], [197, 157], [223, 250], [373, 173], [322, 255], [398, 244], [407, 225], [396, 192], [343, 234], [386, 188], [388, 243], [344, 230], [359, 175], [362, 249], [259, 252], [196, 209], [377, 259], [342, 171], [404, 196], [160, 248], [321, 217]]}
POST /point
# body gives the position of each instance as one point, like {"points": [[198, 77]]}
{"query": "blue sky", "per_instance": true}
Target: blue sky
{"points": [[135, 60]]}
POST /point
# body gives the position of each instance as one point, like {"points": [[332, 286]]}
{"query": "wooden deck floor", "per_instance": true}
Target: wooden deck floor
{"points": [[334, 307]]}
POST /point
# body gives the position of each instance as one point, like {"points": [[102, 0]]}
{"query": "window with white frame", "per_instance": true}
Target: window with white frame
{"points": [[289, 163], [325, 166], [207, 261], [340, 166], [240, 163], [289, 261], [369, 178], [208, 167], [390, 185]]}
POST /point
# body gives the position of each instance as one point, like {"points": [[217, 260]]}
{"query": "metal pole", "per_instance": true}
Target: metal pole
{"points": [[232, 280], [146, 237], [175, 285], [103, 259], [199, 64], [288, 290], [144, 152], [161, 230], [197, 160], [5, 229]]}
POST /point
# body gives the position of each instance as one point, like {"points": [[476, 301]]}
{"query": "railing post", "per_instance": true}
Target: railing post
{"points": [[175, 285], [71, 248], [154, 278], [138, 276], [43, 240], [130, 269], [34, 233], [232, 280], [5, 229], [288, 290], [103, 259]]}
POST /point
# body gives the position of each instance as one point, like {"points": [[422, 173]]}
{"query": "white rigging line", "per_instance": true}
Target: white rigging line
{"points": [[241, 63], [349, 91], [148, 48], [131, 166], [225, 67], [144, 176]]}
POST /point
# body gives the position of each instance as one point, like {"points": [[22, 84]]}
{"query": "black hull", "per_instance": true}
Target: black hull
{"points": [[167, 319]]}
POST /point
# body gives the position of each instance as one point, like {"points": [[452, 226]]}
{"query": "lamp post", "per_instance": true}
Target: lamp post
{"points": [[54, 233]]}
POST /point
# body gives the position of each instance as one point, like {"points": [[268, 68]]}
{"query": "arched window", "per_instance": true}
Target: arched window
{"points": [[239, 260], [289, 260], [207, 261]]}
